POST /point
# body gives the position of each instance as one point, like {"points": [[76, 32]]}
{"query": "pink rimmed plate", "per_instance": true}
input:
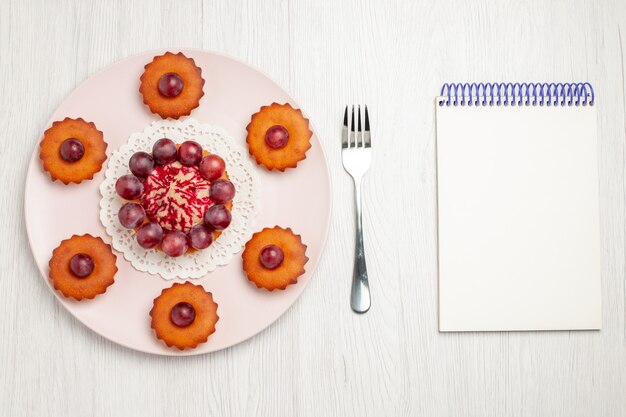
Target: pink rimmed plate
{"points": [[298, 198]]}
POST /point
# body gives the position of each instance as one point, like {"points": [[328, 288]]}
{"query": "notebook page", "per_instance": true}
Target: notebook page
{"points": [[518, 218]]}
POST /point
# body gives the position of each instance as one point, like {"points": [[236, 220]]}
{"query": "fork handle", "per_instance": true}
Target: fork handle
{"points": [[360, 300]]}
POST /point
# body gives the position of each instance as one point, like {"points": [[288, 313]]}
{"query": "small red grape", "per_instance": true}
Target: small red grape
{"points": [[149, 235], [212, 167], [222, 191], [200, 236], [174, 243], [72, 150], [131, 215], [271, 256], [81, 265], [171, 85], [190, 153], [277, 137], [182, 314], [164, 151], [217, 217], [141, 164], [128, 187]]}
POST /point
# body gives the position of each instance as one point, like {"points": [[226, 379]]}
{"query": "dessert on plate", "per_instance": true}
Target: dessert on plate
{"points": [[278, 136], [274, 258], [72, 150], [172, 85], [178, 198], [164, 198], [82, 267], [184, 315]]}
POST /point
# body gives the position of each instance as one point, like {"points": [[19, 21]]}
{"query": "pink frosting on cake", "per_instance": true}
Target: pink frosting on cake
{"points": [[176, 196]]}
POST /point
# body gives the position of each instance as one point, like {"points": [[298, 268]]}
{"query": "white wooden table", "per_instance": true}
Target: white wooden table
{"points": [[320, 359]]}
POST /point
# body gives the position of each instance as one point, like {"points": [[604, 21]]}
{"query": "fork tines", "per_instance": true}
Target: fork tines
{"points": [[353, 134]]}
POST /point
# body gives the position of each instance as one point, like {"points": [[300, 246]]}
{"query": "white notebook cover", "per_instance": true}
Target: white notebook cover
{"points": [[518, 218]]}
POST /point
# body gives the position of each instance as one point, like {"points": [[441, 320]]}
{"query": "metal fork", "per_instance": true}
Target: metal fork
{"points": [[356, 151]]}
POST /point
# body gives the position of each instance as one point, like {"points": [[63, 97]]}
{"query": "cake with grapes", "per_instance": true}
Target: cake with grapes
{"points": [[82, 267], [184, 315], [72, 150], [278, 136], [172, 85], [274, 258], [177, 199]]}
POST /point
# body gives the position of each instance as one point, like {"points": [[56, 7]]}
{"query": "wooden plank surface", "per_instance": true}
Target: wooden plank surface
{"points": [[320, 359]]}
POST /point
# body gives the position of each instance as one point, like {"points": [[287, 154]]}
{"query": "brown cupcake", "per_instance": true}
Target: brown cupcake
{"points": [[72, 150], [184, 315], [181, 85], [91, 253], [278, 136], [274, 258]]}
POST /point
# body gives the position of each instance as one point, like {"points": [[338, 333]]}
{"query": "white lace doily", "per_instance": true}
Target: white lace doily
{"points": [[245, 203]]}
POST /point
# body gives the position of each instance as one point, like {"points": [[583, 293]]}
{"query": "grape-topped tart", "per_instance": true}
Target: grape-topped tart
{"points": [[179, 199]]}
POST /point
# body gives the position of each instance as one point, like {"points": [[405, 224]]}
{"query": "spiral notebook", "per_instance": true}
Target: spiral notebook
{"points": [[518, 209]]}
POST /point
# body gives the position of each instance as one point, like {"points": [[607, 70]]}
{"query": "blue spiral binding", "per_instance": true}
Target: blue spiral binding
{"points": [[517, 94]]}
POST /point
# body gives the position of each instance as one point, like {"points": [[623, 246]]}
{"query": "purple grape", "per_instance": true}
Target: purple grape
{"points": [[174, 243], [81, 265], [212, 167], [271, 256], [170, 85], [131, 215], [164, 151], [190, 153], [182, 314], [149, 235], [128, 187], [72, 150], [277, 137], [200, 236], [141, 164], [217, 217], [222, 191]]}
